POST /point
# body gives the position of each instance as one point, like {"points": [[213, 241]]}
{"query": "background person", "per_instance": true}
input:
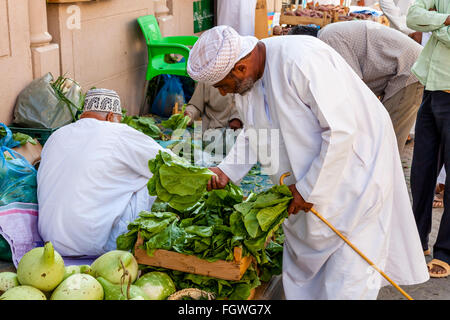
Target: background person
{"points": [[238, 14], [215, 110], [432, 137], [382, 57], [92, 179]]}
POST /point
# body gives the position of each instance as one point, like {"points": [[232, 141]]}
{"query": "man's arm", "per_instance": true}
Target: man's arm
{"points": [[443, 34], [234, 121], [396, 17], [239, 160], [196, 106], [136, 149], [420, 17]]}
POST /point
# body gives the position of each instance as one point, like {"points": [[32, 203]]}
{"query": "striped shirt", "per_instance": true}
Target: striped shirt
{"points": [[381, 56]]}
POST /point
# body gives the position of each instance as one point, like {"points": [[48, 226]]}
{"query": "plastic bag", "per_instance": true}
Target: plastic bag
{"points": [[17, 177], [7, 140], [39, 105], [171, 92]]}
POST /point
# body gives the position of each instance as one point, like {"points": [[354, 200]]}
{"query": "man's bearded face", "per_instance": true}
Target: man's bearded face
{"points": [[243, 86]]}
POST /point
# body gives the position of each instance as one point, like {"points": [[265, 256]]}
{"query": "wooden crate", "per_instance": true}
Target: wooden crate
{"points": [[227, 270], [295, 20], [67, 1]]}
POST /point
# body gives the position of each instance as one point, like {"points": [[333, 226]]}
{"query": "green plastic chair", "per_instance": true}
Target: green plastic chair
{"points": [[158, 47]]}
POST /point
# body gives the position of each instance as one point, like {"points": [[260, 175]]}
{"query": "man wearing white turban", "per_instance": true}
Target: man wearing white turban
{"points": [[337, 141]]}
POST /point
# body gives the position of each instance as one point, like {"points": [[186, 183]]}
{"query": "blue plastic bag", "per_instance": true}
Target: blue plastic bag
{"points": [[17, 176], [8, 140], [171, 92]]}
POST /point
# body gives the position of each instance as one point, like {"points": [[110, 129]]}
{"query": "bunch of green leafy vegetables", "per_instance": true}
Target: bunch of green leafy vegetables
{"points": [[213, 227], [177, 122], [146, 125], [272, 264], [176, 181], [222, 289], [203, 230], [20, 137], [256, 219]]}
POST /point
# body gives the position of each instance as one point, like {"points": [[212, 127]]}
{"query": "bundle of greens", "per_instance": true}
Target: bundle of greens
{"points": [[20, 137], [213, 227], [272, 263], [176, 181], [177, 121], [146, 125], [204, 231], [256, 219], [222, 289]]}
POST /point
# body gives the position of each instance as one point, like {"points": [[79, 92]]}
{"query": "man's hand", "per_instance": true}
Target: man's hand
{"points": [[447, 21], [187, 113], [416, 36], [298, 203], [235, 124], [219, 181]]}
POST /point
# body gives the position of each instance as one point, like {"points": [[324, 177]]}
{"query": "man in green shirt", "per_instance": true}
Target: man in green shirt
{"points": [[432, 136]]}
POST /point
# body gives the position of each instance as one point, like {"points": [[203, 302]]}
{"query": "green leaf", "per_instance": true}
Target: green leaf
{"points": [[146, 125], [176, 181], [251, 223], [267, 216]]}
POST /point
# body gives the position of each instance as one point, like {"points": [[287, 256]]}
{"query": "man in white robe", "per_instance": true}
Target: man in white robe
{"points": [[92, 179], [395, 11], [238, 14], [337, 141]]}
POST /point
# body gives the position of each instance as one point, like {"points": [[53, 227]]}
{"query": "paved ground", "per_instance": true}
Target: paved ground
{"points": [[434, 289]]}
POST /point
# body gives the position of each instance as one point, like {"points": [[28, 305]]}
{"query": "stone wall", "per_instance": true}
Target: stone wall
{"points": [[15, 55], [97, 43]]}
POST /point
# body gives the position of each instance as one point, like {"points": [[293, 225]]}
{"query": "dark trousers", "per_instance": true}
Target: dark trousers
{"points": [[431, 152]]}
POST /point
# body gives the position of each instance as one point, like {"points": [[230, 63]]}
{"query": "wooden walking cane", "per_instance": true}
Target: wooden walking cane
{"points": [[352, 246]]}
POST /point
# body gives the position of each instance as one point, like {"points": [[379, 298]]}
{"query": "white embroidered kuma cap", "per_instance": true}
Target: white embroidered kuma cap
{"points": [[103, 100]]}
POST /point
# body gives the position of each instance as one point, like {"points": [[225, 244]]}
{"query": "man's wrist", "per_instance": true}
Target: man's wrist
{"points": [[447, 21]]}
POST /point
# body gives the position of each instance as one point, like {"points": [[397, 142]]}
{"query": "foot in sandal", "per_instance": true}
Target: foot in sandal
{"points": [[438, 201], [438, 268]]}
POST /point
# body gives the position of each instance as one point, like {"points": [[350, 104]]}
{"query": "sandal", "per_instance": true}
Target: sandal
{"points": [[441, 264], [438, 201], [426, 252]]}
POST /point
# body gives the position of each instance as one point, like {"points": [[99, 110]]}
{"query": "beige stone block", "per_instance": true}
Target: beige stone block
{"points": [[183, 12], [5, 49], [129, 86], [45, 59], [105, 47], [15, 62]]}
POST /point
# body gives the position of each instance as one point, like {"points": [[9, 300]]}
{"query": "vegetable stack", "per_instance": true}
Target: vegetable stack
{"points": [[176, 181]]}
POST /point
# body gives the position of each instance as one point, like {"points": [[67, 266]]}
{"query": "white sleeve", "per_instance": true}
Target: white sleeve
{"points": [[328, 101], [239, 160], [396, 17], [136, 149]]}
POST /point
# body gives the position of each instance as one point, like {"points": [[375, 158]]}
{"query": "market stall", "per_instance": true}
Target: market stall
{"points": [[312, 13], [222, 254]]}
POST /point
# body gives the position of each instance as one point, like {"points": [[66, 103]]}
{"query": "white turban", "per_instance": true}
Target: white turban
{"points": [[216, 52]]}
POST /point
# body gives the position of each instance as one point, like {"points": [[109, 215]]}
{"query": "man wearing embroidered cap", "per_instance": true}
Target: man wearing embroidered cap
{"points": [[92, 179], [336, 139]]}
